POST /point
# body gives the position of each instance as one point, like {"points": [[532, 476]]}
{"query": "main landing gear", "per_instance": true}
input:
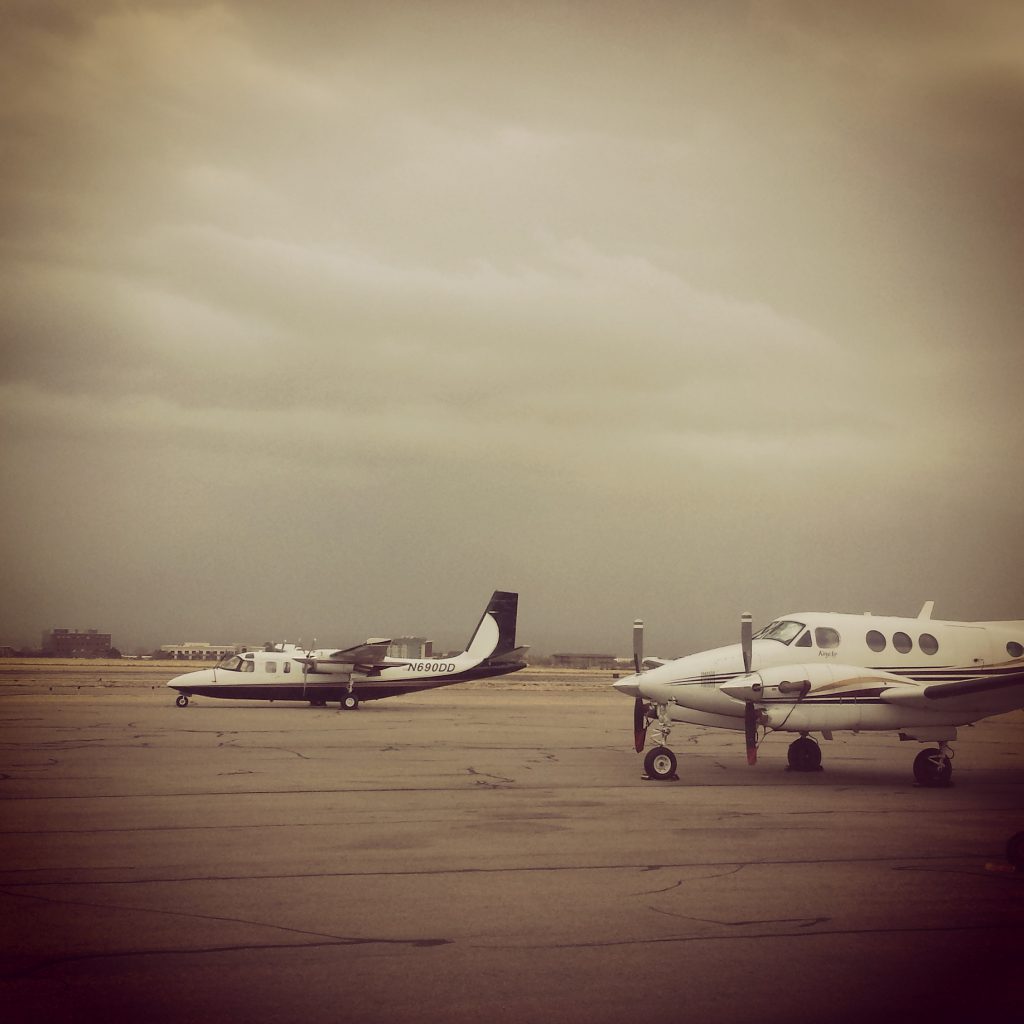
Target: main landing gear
{"points": [[804, 755], [350, 702], [933, 767], [1015, 850]]}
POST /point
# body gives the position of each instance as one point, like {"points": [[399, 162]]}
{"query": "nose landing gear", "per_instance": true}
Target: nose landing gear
{"points": [[660, 762]]}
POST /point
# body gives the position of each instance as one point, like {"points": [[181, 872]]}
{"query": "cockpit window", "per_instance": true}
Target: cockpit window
{"points": [[783, 630], [827, 637], [232, 664], [805, 640]]}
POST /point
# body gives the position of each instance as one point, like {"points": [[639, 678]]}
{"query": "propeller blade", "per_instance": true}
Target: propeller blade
{"points": [[747, 639], [638, 645], [750, 731], [640, 724]]}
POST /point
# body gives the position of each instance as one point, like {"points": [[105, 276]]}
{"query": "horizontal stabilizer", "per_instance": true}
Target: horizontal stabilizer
{"points": [[517, 654]]}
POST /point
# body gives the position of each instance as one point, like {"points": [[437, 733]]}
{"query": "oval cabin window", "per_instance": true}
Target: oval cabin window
{"points": [[902, 643], [875, 640], [928, 643], [1014, 649]]}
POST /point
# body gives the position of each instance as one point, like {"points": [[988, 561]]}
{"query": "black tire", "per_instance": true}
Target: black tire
{"points": [[804, 755], [932, 768], [1015, 850], [660, 763], [181, 700], [350, 703]]}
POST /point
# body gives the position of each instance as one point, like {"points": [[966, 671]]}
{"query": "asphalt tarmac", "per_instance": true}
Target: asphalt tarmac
{"points": [[490, 853]]}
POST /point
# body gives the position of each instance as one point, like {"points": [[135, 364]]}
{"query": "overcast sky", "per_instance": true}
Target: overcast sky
{"points": [[327, 319]]}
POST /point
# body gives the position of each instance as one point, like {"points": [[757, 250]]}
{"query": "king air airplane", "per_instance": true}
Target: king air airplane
{"points": [[364, 672], [823, 672]]}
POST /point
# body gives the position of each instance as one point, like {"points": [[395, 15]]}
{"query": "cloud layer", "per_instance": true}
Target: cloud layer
{"points": [[334, 320]]}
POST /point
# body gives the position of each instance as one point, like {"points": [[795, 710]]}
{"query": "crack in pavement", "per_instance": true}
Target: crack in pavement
{"points": [[322, 938], [203, 950], [669, 939]]}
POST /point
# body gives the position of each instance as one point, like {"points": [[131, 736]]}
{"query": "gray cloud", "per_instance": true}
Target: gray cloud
{"points": [[335, 322]]}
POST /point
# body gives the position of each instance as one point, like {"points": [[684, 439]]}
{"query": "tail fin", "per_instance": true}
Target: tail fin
{"points": [[495, 634]]}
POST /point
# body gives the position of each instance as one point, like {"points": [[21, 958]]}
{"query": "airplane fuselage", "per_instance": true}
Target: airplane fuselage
{"points": [[839, 664], [294, 674]]}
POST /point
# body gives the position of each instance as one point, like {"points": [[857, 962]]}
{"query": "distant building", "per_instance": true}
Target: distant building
{"points": [[584, 661], [76, 643], [197, 651], [411, 647]]}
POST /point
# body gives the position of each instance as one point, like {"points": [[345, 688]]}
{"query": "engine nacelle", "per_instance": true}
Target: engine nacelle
{"points": [[791, 683]]}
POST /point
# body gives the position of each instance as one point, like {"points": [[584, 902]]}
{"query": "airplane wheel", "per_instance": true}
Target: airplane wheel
{"points": [[804, 755], [350, 703], [1015, 850], [660, 763], [932, 768], [181, 700]]}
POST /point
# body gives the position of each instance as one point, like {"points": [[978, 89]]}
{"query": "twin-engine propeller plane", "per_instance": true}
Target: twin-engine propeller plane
{"points": [[823, 672], [363, 672]]}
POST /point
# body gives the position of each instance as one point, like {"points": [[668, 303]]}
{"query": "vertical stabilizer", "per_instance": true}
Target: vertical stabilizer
{"points": [[495, 634]]}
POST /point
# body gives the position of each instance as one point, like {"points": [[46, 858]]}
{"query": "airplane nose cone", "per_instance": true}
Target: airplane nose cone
{"points": [[629, 686], [192, 678]]}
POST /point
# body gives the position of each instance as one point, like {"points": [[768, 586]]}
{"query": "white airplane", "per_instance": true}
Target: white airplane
{"points": [[363, 672], [824, 672]]}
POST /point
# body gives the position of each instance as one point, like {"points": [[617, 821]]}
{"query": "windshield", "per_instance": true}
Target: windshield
{"points": [[783, 630], [232, 664]]}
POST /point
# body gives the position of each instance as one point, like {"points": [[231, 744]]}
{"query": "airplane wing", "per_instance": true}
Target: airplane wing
{"points": [[373, 652], [364, 657], [1004, 688]]}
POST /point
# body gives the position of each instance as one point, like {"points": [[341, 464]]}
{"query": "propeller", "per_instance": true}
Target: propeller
{"points": [[640, 720], [749, 711], [747, 639]]}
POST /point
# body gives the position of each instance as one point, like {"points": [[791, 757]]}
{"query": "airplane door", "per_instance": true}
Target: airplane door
{"points": [[971, 646]]}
